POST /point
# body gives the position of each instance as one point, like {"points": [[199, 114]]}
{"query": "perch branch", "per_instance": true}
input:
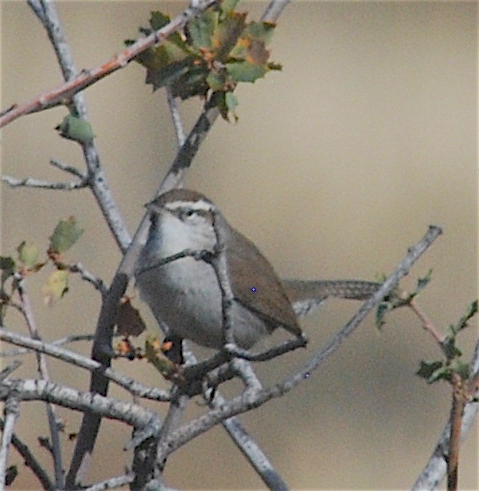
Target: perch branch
{"points": [[246, 402]]}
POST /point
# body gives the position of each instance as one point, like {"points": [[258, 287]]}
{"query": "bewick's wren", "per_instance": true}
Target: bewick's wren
{"points": [[184, 294]]}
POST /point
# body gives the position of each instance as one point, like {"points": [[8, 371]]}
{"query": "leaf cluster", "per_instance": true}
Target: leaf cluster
{"points": [[216, 51], [27, 261], [436, 370], [398, 298]]}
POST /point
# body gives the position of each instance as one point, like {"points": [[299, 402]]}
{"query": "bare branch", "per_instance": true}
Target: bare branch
{"points": [[31, 182], [11, 415], [41, 390], [69, 168], [274, 10], [53, 421], [175, 117], [114, 482]]}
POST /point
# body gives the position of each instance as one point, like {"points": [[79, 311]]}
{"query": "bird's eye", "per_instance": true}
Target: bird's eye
{"points": [[186, 214]]}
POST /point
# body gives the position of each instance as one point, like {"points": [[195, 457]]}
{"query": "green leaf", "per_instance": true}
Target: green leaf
{"points": [[428, 369], [244, 71], [423, 282], [226, 34], [261, 31], [231, 103], [460, 367], [463, 321], [449, 347], [8, 267], [216, 80], [28, 254], [66, 233], [158, 20], [382, 310], [76, 129], [227, 6], [200, 30], [56, 286]]}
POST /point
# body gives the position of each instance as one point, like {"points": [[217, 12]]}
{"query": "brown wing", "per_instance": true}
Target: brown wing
{"points": [[262, 292]]}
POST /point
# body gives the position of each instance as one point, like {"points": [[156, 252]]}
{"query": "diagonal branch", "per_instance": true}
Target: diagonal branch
{"points": [[85, 78]]}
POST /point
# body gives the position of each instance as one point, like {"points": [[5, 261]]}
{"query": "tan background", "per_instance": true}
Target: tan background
{"points": [[336, 166]]}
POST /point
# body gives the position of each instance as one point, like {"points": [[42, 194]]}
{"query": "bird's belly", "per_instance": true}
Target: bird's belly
{"points": [[185, 295]]}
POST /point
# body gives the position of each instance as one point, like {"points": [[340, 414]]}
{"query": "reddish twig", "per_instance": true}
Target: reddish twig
{"points": [[63, 93]]}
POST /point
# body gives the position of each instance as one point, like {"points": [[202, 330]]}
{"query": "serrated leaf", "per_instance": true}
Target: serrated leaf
{"points": [[423, 282], [28, 254], [199, 31], [66, 233], [463, 321], [460, 367], [216, 80], [56, 286], [76, 129], [226, 6], [244, 71], [192, 83], [158, 20], [129, 321], [381, 311], [449, 347], [261, 31], [226, 34], [427, 369]]}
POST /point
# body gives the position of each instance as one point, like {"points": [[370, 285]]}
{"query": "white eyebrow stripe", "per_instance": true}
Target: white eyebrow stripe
{"points": [[192, 205]]}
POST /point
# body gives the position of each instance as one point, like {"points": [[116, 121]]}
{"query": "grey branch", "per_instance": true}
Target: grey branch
{"points": [[175, 117], [114, 482], [53, 420], [129, 384], [11, 415], [68, 168], [30, 182], [41, 390]]}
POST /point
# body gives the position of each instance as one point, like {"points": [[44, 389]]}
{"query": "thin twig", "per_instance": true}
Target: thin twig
{"points": [[11, 414], [30, 461], [53, 421], [57, 342], [427, 324], [112, 483], [30, 182], [69, 168]]}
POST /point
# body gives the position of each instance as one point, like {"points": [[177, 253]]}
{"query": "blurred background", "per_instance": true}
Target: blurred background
{"points": [[336, 166]]}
